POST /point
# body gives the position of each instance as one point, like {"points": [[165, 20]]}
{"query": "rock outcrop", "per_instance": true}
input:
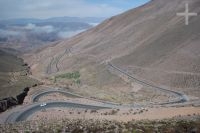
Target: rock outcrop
{"points": [[21, 96], [6, 103]]}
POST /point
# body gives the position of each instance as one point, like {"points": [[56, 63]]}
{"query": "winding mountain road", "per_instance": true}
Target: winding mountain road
{"points": [[181, 98], [23, 114], [27, 111], [37, 96], [55, 61]]}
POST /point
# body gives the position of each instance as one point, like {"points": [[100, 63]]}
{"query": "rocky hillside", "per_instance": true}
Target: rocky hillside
{"points": [[150, 42]]}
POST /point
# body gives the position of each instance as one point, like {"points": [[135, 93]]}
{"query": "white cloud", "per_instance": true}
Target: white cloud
{"points": [[5, 33], [46, 28], [30, 26]]}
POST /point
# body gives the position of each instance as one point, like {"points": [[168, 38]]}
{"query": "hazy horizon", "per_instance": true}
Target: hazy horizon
{"points": [[14, 9]]}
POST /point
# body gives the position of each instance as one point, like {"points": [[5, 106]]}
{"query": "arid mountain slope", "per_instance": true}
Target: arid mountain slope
{"points": [[150, 42], [13, 74]]}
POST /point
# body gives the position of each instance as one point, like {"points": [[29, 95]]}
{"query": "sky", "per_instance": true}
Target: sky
{"points": [[58, 8]]}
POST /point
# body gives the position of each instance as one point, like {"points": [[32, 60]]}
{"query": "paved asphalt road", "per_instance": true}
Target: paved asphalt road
{"points": [[181, 98], [36, 97], [31, 109], [23, 114]]}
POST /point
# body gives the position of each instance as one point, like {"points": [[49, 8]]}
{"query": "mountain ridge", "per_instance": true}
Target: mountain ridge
{"points": [[150, 36], [53, 19]]}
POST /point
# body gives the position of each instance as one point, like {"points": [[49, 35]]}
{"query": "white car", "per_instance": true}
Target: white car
{"points": [[43, 104]]}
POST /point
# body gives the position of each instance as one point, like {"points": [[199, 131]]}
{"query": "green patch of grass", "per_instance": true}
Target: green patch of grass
{"points": [[72, 75]]}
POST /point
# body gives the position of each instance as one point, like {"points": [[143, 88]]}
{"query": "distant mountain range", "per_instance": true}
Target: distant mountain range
{"points": [[28, 33], [24, 21]]}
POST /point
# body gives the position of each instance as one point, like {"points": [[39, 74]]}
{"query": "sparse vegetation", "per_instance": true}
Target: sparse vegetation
{"points": [[113, 112], [93, 111], [81, 125], [73, 76]]}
